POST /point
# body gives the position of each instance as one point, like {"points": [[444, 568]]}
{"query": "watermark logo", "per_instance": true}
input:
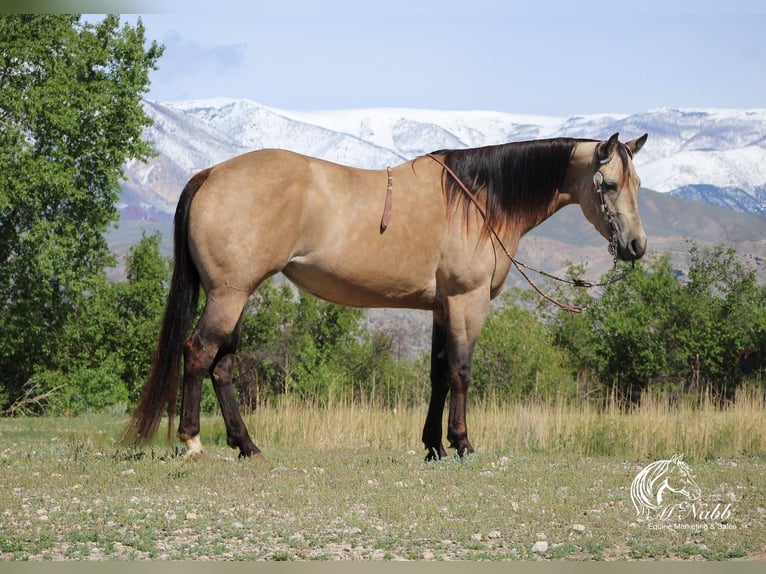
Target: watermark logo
{"points": [[666, 494]]}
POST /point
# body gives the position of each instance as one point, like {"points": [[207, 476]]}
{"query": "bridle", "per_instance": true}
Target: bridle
{"points": [[599, 185]]}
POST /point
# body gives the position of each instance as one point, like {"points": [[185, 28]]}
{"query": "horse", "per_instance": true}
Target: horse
{"points": [[658, 481], [410, 236]]}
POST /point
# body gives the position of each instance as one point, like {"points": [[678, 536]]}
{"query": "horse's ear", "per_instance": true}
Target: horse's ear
{"points": [[635, 145], [605, 149]]}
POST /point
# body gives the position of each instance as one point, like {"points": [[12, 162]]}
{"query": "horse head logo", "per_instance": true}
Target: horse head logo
{"points": [[660, 484]]}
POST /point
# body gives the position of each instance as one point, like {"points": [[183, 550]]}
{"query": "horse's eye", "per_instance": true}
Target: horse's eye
{"points": [[610, 185]]}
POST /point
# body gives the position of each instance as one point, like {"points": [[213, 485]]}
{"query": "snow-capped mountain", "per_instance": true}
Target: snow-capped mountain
{"points": [[714, 156]]}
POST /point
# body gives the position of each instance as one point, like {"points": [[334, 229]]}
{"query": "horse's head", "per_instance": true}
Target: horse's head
{"points": [[609, 195]]}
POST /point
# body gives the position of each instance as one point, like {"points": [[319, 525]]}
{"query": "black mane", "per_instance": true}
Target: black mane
{"points": [[519, 180]]}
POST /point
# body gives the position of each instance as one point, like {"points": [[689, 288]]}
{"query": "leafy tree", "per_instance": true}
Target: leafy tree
{"points": [[70, 116], [631, 326], [654, 330], [264, 360], [298, 344], [103, 353], [516, 357], [140, 302], [727, 316]]}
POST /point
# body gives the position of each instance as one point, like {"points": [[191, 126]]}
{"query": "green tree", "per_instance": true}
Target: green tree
{"points": [[631, 329], [297, 344], [103, 353], [70, 116], [726, 316], [139, 303], [516, 357], [656, 330], [264, 359]]}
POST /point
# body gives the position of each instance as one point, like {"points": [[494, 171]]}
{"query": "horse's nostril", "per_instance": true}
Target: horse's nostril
{"points": [[637, 248]]}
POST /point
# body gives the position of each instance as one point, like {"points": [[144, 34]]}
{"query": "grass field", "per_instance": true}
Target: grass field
{"points": [[349, 483]]}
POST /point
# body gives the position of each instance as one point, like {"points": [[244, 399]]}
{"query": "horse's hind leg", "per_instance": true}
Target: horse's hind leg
{"points": [[222, 374], [216, 326]]}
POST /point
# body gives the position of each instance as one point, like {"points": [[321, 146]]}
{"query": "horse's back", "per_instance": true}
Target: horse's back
{"points": [[319, 222]]}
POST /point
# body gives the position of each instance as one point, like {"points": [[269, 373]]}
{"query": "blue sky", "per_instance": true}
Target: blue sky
{"points": [[545, 57]]}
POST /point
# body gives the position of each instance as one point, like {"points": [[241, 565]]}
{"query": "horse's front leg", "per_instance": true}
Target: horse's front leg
{"points": [[467, 313], [459, 381], [432, 431], [454, 338]]}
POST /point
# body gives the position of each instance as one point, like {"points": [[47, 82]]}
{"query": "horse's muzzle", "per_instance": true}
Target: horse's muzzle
{"points": [[632, 249]]}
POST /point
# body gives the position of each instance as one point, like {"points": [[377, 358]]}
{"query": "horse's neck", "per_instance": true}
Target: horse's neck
{"points": [[558, 201]]}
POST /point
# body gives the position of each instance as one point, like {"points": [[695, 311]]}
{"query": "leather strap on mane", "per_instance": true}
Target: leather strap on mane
{"points": [[389, 197]]}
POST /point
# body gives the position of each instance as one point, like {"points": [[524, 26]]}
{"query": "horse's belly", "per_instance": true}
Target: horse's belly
{"points": [[375, 286]]}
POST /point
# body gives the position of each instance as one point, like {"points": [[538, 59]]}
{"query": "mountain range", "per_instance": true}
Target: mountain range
{"points": [[715, 156], [703, 171]]}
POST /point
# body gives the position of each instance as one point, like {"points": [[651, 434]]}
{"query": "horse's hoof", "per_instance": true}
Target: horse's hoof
{"points": [[435, 453], [252, 455], [464, 450]]}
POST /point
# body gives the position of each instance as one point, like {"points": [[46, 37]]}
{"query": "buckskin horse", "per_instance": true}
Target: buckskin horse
{"points": [[426, 234]]}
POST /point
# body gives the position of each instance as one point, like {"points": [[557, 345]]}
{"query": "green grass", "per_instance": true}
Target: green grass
{"points": [[350, 483]]}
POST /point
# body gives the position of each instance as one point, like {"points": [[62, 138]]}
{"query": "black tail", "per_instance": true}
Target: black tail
{"points": [[161, 388]]}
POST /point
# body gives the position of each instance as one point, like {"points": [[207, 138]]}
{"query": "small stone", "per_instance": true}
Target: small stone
{"points": [[578, 527], [191, 516], [540, 547], [428, 555], [476, 537], [494, 534]]}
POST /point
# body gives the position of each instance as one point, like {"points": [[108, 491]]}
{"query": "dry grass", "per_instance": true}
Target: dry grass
{"points": [[348, 482], [656, 429]]}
